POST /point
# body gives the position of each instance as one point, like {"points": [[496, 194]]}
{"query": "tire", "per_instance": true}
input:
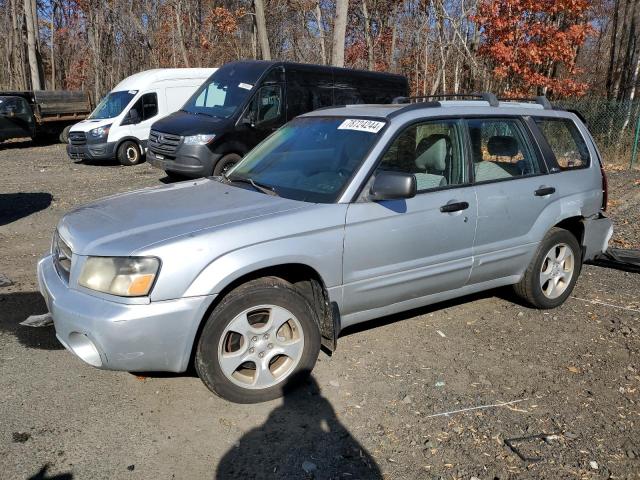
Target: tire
{"points": [[225, 163], [259, 308], [129, 153], [64, 135], [538, 285]]}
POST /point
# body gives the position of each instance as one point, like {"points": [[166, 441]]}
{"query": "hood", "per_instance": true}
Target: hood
{"points": [[86, 125], [183, 123], [122, 224]]}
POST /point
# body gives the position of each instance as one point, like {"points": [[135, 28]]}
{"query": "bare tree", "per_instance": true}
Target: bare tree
{"points": [[339, 33], [261, 26], [31, 20]]}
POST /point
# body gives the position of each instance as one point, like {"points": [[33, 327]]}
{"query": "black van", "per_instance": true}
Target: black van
{"points": [[243, 102]]}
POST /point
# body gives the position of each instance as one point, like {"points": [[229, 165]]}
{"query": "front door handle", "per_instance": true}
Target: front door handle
{"points": [[544, 191], [454, 207]]}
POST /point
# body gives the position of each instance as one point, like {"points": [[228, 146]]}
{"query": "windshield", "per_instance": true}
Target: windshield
{"points": [[225, 91], [113, 104], [310, 159]]}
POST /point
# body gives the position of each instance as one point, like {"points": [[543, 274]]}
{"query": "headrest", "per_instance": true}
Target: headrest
{"points": [[503, 146], [431, 153]]}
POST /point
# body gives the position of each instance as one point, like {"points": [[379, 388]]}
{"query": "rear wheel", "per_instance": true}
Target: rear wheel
{"points": [[129, 153], [261, 338], [225, 163], [64, 135], [552, 274]]}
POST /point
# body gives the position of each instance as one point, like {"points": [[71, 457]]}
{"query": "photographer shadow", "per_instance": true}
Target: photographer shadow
{"points": [[302, 438]]}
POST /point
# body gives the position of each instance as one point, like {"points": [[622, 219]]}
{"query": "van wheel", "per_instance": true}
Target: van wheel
{"points": [[225, 163], [64, 135], [553, 272], [129, 153], [260, 339]]}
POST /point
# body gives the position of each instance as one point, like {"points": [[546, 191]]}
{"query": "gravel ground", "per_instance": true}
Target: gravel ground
{"points": [[372, 410]]}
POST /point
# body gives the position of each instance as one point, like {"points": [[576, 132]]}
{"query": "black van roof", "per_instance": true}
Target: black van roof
{"points": [[313, 66]]}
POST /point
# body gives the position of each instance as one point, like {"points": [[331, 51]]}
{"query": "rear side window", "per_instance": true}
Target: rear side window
{"points": [[500, 150], [565, 141]]}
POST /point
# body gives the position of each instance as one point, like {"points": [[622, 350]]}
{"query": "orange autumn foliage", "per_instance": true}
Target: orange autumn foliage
{"points": [[531, 44]]}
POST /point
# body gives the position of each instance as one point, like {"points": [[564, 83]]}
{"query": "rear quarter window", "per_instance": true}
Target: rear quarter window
{"points": [[566, 142]]}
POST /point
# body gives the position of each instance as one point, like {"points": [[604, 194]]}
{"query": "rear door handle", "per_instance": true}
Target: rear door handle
{"points": [[454, 207], [544, 191]]}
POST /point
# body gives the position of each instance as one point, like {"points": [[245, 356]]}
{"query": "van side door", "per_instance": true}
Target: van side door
{"points": [[405, 250], [513, 189]]}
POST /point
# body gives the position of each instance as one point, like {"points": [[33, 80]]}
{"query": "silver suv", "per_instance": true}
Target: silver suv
{"points": [[342, 215]]}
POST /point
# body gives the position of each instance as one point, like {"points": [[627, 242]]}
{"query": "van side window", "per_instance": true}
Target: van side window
{"points": [[432, 151], [147, 106], [500, 150], [266, 106], [565, 141]]}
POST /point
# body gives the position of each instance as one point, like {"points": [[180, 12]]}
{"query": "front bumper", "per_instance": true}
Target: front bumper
{"points": [[189, 160], [157, 336], [92, 151]]}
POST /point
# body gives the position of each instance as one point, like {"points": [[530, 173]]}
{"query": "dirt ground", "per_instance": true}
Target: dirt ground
{"points": [[375, 409]]}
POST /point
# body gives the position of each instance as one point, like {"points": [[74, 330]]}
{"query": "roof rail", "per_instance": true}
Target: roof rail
{"points": [[486, 96], [412, 106], [540, 100]]}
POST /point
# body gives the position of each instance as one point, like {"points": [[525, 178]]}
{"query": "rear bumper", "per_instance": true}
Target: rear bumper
{"points": [[597, 233], [189, 160], [157, 336], [92, 151]]}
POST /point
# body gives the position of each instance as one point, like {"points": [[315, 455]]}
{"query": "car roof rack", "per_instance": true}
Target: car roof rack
{"points": [[539, 99], [490, 98]]}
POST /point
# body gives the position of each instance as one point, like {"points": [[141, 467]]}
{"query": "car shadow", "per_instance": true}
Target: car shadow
{"points": [[14, 206], [15, 308], [42, 475], [300, 439]]}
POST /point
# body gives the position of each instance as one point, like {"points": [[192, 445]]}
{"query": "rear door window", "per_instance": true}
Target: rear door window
{"points": [[501, 150], [565, 141]]}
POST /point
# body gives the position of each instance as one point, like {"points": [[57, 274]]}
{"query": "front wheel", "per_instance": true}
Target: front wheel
{"points": [[225, 163], [259, 340], [129, 153], [553, 272]]}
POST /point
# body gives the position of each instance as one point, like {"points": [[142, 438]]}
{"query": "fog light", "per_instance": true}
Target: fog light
{"points": [[84, 348]]}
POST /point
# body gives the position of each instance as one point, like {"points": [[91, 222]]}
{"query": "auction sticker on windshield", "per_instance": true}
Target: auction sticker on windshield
{"points": [[246, 86], [360, 125]]}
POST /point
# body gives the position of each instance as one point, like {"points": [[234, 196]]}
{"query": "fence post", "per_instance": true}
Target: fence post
{"points": [[636, 138]]}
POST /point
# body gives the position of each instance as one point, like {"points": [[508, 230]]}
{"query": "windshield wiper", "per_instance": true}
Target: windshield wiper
{"points": [[269, 190]]}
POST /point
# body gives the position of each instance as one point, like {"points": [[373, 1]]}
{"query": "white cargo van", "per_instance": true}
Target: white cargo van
{"points": [[119, 126]]}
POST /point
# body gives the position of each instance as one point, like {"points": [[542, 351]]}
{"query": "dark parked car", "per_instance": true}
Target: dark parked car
{"points": [[243, 102]]}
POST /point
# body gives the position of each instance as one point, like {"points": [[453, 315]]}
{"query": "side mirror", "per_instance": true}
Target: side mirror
{"points": [[393, 186], [247, 121]]}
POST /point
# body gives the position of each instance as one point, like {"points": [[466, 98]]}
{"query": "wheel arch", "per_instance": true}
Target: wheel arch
{"points": [[138, 142]]}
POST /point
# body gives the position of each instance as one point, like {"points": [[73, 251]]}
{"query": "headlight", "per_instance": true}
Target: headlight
{"points": [[122, 276], [201, 139], [100, 131]]}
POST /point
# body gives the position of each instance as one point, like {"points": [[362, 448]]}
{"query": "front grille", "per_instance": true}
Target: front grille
{"points": [[77, 138], [61, 256], [163, 143]]}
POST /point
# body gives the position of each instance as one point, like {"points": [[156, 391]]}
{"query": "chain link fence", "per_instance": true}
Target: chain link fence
{"points": [[614, 125]]}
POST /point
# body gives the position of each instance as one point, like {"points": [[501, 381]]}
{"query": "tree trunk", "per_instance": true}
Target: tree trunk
{"points": [[367, 35], [323, 50], [32, 46], [339, 33], [183, 47], [261, 25]]}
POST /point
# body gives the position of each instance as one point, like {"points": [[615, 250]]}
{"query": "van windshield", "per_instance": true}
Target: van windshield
{"points": [[225, 91], [309, 159], [113, 104]]}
